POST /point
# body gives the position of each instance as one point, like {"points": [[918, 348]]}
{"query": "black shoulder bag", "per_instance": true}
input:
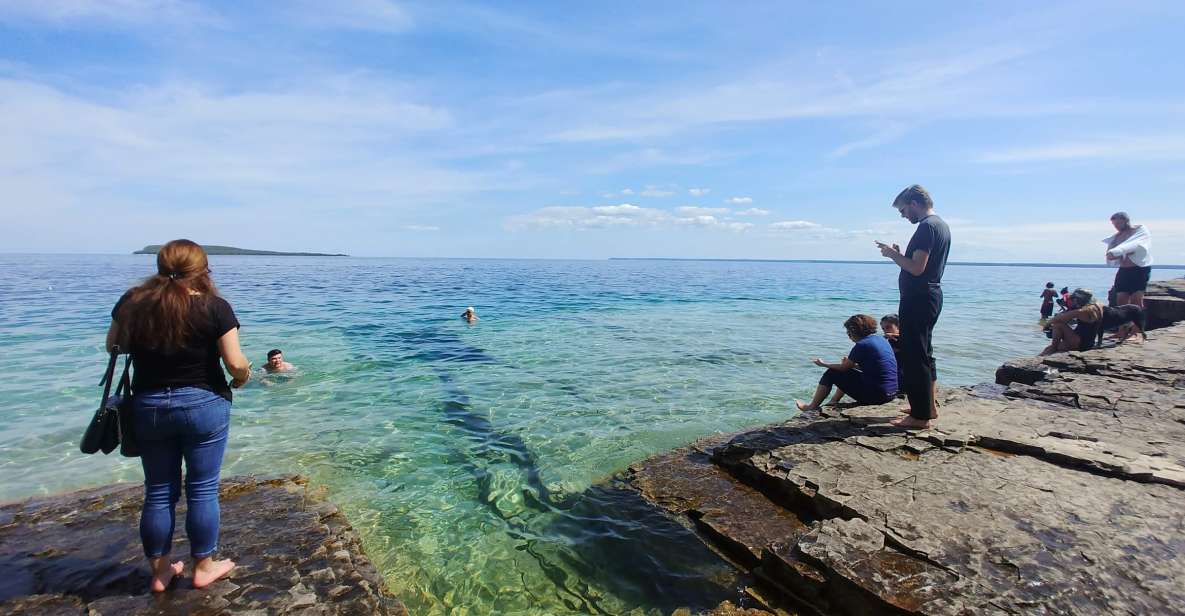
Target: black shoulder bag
{"points": [[111, 425]]}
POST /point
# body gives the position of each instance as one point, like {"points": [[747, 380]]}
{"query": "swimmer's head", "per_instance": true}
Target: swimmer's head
{"points": [[275, 358], [469, 314], [1049, 285]]}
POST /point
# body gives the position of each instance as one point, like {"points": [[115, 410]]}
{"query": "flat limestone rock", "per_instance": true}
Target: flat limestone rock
{"points": [[80, 553], [1060, 493]]}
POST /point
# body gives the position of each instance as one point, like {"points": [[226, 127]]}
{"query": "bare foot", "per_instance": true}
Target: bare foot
{"points": [[804, 407], [911, 422], [208, 570], [163, 573], [905, 410]]}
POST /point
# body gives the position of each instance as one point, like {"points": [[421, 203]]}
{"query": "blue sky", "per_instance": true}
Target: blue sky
{"points": [[589, 130]]}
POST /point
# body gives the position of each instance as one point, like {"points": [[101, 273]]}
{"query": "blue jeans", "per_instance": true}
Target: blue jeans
{"points": [[173, 424]]}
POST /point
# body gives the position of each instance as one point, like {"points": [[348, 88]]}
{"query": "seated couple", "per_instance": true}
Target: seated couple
{"points": [[869, 372], [1092, 320]]}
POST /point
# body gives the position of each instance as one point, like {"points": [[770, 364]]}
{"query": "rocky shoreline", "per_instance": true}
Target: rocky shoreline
{"points": [[1059, 489], [79, 553]]}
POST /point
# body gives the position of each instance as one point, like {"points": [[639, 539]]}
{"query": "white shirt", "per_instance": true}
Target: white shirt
{"points": [[1137, 248]]}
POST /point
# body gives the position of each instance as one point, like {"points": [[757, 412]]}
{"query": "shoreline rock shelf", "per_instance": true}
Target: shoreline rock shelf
{"points": [[79, 553], [1059, 490]]}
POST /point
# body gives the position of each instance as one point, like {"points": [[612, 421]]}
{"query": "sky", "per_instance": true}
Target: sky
{"points": [[778, 130]]}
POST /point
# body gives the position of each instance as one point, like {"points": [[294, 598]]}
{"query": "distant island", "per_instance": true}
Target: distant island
{"points": [[231, 250]]}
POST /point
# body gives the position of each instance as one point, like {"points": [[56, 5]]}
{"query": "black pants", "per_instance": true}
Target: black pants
{"points": [[918, 314], [851, 382]]}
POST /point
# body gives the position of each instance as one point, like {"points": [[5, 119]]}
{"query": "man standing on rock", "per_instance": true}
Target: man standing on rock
{"points": [[920, 284]]}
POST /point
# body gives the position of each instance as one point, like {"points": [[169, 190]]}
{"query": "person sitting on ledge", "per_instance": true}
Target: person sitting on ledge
{"points": [[868, 374], [1081, 336]]}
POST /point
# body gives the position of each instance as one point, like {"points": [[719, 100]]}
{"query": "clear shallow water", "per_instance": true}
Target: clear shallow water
{"points": [[468, 457]]}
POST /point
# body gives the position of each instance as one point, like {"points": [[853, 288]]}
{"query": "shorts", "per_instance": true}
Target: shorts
{"points": [[1132, 279], [1047, 309]]}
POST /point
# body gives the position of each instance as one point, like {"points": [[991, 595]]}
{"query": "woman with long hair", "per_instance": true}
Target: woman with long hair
{"points": [[177, 328]]}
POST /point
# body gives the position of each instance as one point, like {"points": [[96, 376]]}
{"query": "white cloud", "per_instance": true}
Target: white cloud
{"points": [[739, 200], [654, 191], [627, 191], [623, 209], [711, 222], [1129, 148], [882, 136], [691, 210], [698, 192], [426, 228], [794, 225], [753, 211]]}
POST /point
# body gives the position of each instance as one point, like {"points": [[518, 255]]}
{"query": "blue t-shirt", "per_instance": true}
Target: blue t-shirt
{"points": [[878, 365]]}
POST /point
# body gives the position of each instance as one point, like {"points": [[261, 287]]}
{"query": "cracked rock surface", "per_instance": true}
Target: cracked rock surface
{"points": [[79, 553], [1058, 491]]}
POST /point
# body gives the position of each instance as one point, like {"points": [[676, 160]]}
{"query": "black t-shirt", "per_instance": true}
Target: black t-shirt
{"points": [[932, 236], [194, 364]]}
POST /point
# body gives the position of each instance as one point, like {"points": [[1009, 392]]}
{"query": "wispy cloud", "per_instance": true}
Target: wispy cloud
{"points": [[623, 216], [794, 225], [1129, 148], [753, 211], [655, 191], [739, 200], [691, 210], [367, 15], [91, 13], [420, 228], [698, 192]]}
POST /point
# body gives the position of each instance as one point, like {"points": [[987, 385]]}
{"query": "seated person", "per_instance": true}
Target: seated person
{"points": [[469, 315], [1064, 301], [1081, 336], [891, 326], [276, 363], [868, 374]]}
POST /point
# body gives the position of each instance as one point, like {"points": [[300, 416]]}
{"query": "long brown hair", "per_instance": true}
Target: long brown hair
{"points": [[159, 313]]}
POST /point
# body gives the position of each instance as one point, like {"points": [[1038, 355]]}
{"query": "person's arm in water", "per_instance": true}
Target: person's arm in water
{"points": [[913, 265], [232, 357], [844, 364]]}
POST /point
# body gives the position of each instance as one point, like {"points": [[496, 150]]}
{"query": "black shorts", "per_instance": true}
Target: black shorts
{"points": [[851, 382], [1132, 279]]}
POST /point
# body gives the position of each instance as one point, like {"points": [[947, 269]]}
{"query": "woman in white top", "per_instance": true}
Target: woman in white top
{"points": [[1130, 249]]}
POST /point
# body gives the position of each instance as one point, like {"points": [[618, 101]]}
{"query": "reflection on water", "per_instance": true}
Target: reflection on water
{"points": [[473, 459]]}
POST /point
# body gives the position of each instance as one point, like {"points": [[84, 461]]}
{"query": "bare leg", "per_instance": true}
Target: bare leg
{"points": [[836, 398], [207, 570], [1122, 298], [1137, 298], [933, 399], [1064, 339], [163, 572], [820, 393]]}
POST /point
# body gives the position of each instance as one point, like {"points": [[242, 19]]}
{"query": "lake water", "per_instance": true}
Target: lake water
{"points": [[470, 457]]}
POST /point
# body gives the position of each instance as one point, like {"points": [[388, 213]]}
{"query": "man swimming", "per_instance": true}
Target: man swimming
{"points": [[470, 315], [276, 363]]}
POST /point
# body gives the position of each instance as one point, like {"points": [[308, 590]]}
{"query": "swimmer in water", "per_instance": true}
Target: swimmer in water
{"points": [[470, 315], [275, 362]]}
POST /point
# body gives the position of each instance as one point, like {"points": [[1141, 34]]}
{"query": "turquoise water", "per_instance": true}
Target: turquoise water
{"points": [[468, 457]]}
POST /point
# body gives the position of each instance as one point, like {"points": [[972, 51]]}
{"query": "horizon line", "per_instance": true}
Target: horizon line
{"points": [[707, 259]]}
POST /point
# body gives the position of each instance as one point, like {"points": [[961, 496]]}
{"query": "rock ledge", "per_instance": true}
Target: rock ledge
{"points": [[79, 553]]}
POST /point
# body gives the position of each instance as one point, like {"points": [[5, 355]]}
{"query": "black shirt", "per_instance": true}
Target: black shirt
{"points": [[194, 364], [932, 236]]}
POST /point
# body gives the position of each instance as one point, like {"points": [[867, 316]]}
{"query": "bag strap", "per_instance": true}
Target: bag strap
{"points": [[109, 375], [125, 383]]}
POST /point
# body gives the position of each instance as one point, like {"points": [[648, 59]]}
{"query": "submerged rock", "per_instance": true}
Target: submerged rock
{"points": [[1063, 495], [79, 553]]}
